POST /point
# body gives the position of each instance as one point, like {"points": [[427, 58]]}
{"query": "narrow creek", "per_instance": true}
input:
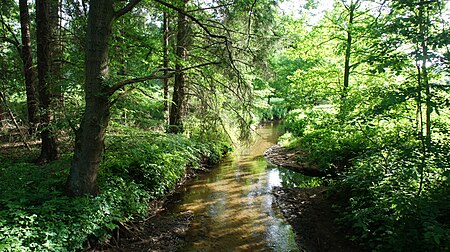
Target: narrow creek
{"points": [[233, 206]]}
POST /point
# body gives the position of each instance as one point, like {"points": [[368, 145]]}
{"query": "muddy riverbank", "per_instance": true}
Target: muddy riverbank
{"points": [[309, 210]]}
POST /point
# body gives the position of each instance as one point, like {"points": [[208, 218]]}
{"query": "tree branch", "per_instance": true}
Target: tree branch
{"points": [[152, 76], [249, 25], [201, 65], [198, 22], [203, 26], [210, 8], [127, 8], [122, 84], [11, 41], [122, 96]]}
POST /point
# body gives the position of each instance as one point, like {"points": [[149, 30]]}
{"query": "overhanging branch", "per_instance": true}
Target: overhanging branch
{"points": [[122, 84], [227, 42], [14, 40], [127, 8], [153, 76], [198, 22], [200, 65], [11, 41]]}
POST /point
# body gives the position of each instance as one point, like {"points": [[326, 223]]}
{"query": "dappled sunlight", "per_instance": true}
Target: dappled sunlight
{"points": [[232, 205]]}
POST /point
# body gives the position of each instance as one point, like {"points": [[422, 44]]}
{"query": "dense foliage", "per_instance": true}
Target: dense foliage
{"points": [[363, 90], [141, 162], [384, 134], [139, 167]]}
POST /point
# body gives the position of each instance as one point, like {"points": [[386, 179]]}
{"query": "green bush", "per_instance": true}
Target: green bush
{"points": [[274, 110], [329, 144], [157, 161], [397, 196], [139, 166], [36, 216], [386, 211]]}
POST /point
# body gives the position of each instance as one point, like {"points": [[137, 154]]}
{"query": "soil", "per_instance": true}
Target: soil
{"points": [[310, 213], [288, 158], [160, 233], [310, 210]]}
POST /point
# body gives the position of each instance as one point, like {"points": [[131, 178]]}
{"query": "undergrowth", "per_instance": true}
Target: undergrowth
{"points": [[398, 199], [138, 167]]}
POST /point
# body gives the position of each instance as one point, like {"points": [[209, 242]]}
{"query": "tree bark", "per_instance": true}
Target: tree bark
{"points": [[49, 147], [179, 93], [348, 48], [89, 139], [56, 52], [166, 61], [27, 59]]}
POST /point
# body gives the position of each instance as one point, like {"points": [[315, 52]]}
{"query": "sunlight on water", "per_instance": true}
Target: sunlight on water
{"points": [[274, 178], [233, 206]]}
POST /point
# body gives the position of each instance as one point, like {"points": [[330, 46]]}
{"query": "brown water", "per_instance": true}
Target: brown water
{"points": [[233, 206]]}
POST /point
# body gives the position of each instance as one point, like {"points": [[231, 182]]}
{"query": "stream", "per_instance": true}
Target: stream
{"points": [[232, 205]]}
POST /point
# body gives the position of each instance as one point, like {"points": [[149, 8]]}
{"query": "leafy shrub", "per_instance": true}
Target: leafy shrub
{"points": [[35, 215], [142, 113], [274, 110], [385, 209], [154, 160], [330, 144], [397, 196]]}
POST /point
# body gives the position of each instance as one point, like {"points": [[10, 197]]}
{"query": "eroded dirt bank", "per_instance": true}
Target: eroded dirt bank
{"points": [[161, 233], [287, 158], [309, 210], [310, 213]]}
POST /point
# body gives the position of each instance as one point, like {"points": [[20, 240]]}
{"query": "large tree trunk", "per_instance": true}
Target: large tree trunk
{"points": [[27, 59], [179, 93], [89, 141], [49, 148]]}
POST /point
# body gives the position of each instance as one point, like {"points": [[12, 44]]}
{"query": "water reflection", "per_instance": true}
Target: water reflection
{"points": [[233, 204]]}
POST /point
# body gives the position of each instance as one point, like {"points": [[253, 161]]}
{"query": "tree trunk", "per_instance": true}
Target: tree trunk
{"points": [[49, 148], [89, 139], [179, 92], [351, 9], [428, 94], [2, 116], [166, 61], [56, 52], [27, 59], [423, 81], [347, 57]]}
